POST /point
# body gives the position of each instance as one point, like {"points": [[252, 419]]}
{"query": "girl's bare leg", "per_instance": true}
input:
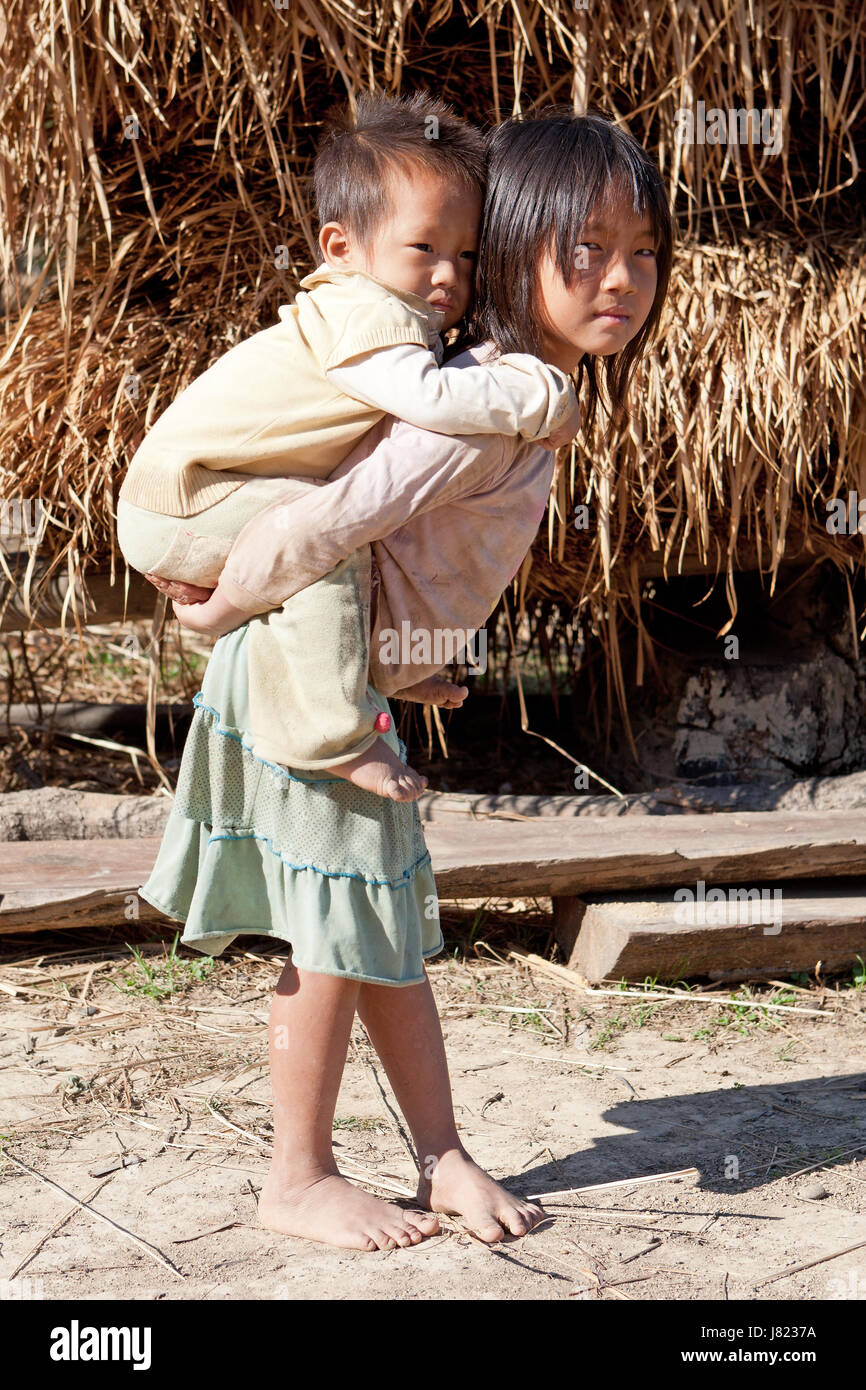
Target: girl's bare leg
{"points": [[303, 1194], [404, 1028]]}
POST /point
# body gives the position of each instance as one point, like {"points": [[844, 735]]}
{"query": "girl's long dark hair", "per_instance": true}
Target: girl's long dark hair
{"points": [[546, 176]]}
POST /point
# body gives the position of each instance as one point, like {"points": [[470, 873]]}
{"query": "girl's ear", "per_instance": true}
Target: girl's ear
{"points": [[335, 245]]}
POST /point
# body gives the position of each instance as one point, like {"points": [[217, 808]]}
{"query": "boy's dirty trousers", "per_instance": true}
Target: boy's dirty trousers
{"points": [[309, 659]]}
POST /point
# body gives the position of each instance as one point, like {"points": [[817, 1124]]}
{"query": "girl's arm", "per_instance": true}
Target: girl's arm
{"points": [[515, 395], [395, 473]]}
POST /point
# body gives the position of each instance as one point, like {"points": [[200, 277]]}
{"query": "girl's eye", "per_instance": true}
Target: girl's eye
{"points": [[469, 255], [648, 251], [422, 246]]}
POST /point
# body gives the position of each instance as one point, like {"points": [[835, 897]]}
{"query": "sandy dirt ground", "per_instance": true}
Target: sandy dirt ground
{"points": [[554, 1089]]}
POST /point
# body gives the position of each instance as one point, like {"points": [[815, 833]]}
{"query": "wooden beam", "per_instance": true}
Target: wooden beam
{"points": [[568, 913], [74, 883], [573, 857], [791, 929], [63, 813], [579, 856], [746, 558]]}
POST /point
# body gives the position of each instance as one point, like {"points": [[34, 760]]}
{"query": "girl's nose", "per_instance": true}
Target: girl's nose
{"points": [[617, 274]]}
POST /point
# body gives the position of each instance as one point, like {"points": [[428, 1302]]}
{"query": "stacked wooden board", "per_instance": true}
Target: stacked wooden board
{"points": [[725, 895]]}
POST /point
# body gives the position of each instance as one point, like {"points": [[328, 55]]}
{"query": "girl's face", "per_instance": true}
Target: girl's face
{"points": [[612, 293]]}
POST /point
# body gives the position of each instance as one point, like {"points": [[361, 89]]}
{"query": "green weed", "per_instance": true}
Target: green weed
{"points": [[164, 976], [608, 1033]]}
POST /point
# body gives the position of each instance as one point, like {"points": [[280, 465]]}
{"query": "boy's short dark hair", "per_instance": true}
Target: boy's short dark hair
{"points": [[359, 153]]}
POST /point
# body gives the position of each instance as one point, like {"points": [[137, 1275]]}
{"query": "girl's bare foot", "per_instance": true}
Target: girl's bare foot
{"points": [[458, 1187], [435, 690], [379, 770], [325, 1207]]}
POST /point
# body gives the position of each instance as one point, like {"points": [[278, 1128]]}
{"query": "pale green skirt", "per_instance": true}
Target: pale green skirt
{"points": [[254, 848]]}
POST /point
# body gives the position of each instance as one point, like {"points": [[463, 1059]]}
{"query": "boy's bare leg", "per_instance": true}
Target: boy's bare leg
{"points": [[404, 1028], [303, 1194], [379, 769]]}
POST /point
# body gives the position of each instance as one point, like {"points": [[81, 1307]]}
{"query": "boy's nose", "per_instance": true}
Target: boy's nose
{"points": [[445, 273]]}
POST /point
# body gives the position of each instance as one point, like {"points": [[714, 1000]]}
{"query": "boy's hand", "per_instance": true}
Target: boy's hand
{"points": [[566, 431], [434, 690]]}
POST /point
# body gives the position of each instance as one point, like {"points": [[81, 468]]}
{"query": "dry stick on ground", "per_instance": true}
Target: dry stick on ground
{"points": [[394, 1117], [52, 1230], [392, 1188], [214, 1230], [644, 1250], [150, 1250], [707, 999], [572, 1061], [575, 981], [562, 973], [247, 1134], [857, 1148], [822, 1259], [620, 1182]]}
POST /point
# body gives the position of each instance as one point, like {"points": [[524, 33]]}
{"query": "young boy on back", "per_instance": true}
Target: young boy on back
{"points": [[398, 193]]}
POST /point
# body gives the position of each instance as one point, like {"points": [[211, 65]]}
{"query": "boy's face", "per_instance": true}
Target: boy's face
{"points": [[612, 292], [428, 243]]}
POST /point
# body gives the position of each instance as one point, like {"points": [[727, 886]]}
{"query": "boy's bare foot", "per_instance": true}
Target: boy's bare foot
{"points": [[379, 770], [435, 690], [459, 1187], [326, 1207], [179, 590]]}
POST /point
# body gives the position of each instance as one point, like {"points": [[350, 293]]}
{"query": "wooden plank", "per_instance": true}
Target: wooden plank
{"points": [[117, 719], [568, 913], [580, 856], [792, 928], [498, 858], [74, 883]]}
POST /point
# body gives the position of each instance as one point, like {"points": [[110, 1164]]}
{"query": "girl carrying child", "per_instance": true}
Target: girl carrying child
{"points": [[399, 214], [575, 256]]}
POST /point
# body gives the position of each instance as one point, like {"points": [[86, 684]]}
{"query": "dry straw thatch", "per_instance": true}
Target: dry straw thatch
{"points": [[155, 159]]}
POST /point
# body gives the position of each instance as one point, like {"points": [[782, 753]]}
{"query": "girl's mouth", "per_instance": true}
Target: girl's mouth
{"points": [[618, 316]]}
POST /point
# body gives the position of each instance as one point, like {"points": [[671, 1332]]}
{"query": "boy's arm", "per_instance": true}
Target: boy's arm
{"points": [[394, 474], [516, 395]]}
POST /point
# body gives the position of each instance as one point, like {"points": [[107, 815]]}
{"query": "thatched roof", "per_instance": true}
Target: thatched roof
{"points": [[156, 158]]}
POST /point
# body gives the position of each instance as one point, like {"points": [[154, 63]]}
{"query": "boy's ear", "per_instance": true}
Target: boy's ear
{"points": [[335, 244]]}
